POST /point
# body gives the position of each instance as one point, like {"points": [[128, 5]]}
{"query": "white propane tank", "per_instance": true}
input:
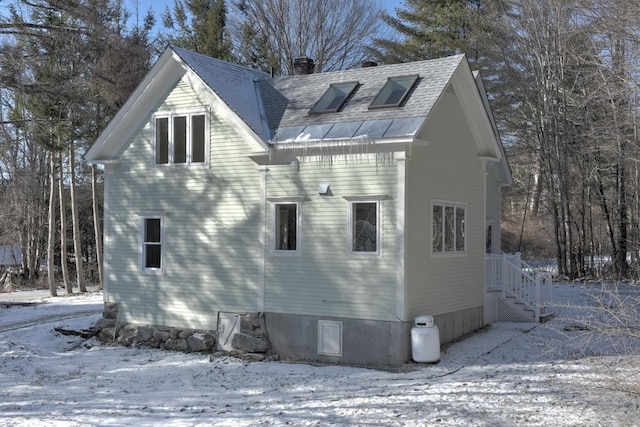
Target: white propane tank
{"points": [[425, 340]]}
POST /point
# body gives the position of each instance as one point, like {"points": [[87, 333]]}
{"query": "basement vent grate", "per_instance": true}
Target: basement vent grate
{"points": [[330, 337]]}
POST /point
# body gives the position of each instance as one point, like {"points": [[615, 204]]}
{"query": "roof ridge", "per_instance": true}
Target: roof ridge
{"points": [[182, 52], [453, 60]]}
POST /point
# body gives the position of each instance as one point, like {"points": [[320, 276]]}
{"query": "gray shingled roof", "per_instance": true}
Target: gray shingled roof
{"points": [[283, 102], [288, 99], [235, 84]]}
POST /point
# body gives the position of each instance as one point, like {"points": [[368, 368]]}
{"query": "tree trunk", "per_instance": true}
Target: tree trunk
{"points": [[51, 244], [607, 218], [536, 196], [63, 233], [76, 221], [621, 260], [96, 225]]}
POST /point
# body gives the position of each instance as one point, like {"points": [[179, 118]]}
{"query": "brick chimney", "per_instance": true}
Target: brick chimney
{"points": [[367, 64], [303, 65]]}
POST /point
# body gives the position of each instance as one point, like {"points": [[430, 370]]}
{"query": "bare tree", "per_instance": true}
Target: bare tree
{"points": [[63, 229], [613, 120], [69, 65], [269, 34], [75, 221], [550, 42], [565, 92], [51, 269]]}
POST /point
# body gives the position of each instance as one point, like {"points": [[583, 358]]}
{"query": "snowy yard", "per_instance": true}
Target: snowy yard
{"points": [[508, 374]]}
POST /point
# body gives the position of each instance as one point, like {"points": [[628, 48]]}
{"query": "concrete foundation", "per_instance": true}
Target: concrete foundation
{"points": [[301, 338], [364, 342], [457, 324]]}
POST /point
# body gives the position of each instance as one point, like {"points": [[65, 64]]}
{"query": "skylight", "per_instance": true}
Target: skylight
{"points": [[334, 98], [394, 92], [371, 129]]}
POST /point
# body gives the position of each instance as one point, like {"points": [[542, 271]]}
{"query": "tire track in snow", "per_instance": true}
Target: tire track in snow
{"points": [[46, 319]]}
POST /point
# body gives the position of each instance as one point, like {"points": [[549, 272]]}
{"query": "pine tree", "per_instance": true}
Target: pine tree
{"points": [[430, 29], [200, 26], [70, 65]]}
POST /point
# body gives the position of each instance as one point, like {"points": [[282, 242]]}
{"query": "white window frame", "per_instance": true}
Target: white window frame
{"points": [[455, 205], [275, 202], [189, 149], [353, 200], [144, 244]]}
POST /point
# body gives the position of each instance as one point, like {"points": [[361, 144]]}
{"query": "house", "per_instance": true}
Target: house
{"points": [[10, 255], [341, 205]]}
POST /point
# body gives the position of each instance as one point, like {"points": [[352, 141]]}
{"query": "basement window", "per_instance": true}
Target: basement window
{"points": [[395, 92], [334, 98]]}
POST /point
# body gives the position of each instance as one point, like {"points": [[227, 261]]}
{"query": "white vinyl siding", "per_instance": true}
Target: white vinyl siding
{"points": [[448, 172], [326, 279], [211, 228]]}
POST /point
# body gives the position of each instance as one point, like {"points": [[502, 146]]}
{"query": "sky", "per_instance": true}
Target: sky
{"points": [[158, 6]]}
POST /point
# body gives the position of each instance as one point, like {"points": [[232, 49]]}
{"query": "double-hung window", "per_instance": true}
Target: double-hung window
{"points": [[180, 139], [286, 224], [364, 224], [449, 234], [152, 232]]}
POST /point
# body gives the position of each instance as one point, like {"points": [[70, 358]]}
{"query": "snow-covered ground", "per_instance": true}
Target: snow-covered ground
{"points": [[506, 375]]}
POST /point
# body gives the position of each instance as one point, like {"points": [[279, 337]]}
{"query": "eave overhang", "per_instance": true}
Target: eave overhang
{"points": [[475, 106], [161, 78], [286, 153], [144, 98]]}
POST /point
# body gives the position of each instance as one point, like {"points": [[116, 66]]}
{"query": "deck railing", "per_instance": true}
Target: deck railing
{"points": [[513, 277]]}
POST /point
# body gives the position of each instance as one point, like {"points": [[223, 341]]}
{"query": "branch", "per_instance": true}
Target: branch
{"points": [[37, 26]]}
